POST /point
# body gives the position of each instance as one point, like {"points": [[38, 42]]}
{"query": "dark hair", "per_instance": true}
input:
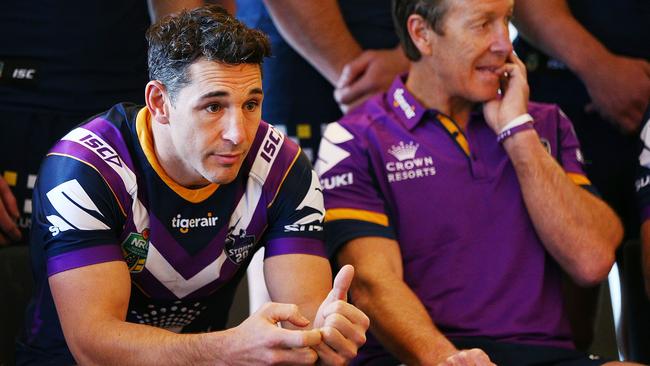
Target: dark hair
{"points": [[433, 11], [209, 32]]}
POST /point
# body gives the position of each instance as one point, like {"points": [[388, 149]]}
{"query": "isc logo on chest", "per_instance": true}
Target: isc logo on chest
{"points": [[102, 149], [271, 145]]}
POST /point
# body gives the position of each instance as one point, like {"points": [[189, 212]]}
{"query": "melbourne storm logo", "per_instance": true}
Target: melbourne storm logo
{"points": [[239, 245]]}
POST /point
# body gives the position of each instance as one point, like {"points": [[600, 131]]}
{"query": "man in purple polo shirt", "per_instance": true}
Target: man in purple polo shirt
{"points": [[460, 203]]}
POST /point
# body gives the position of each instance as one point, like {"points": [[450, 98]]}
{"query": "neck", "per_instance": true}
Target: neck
{"points": [[428, 88], [169, 161]]}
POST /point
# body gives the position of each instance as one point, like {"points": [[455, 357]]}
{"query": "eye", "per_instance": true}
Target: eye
{"points": [[251, 105], [213, 108]]}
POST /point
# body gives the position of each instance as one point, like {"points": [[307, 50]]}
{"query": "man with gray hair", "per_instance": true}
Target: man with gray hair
{"points": [[460, 203]]}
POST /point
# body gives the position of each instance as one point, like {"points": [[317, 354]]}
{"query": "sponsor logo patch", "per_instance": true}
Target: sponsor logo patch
{"points": [[134, 249], [336, 181], [239, 245], [400, 101], [408, 166], [185, 224]]}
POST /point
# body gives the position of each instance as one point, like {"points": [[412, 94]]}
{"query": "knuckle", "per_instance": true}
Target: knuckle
{"points": [[328, 332]]}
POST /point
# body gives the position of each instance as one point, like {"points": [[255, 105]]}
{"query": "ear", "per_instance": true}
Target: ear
{"points": [[157, 99], [421, 34]]}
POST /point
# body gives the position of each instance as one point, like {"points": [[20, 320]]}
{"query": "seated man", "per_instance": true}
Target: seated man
{"points": [[460, 204], [146, 218]]}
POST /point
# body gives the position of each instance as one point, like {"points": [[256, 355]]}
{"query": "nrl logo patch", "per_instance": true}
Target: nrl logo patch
{"points": [[134, 249], [239, 246]]}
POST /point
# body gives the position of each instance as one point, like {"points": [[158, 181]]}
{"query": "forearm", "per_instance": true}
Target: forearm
{"points": [[580, 231], [563, 38], [317, 31], [159, 9], [645, 255], [117, 342], [400, 321]]}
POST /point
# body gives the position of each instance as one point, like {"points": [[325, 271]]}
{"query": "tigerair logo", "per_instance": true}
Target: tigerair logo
{"points": [[185, 224], [400, 101], [408, 166]]}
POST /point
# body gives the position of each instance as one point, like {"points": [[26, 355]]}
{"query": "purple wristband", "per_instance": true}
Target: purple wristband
{"points": [[511, 131]]}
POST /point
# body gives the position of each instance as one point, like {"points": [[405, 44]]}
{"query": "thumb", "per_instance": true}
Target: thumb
{"points": [[342, 284]]}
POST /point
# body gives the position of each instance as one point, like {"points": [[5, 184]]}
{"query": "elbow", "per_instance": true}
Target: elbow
{"points": [[594, 270]]}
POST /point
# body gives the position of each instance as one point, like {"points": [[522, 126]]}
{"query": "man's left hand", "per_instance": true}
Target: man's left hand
{"points": [[371, 72], [343, 326], [513, 100]]}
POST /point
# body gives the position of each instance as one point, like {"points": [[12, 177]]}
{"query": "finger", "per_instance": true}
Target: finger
{"points": [[337, 342], [348, 312], [295, 356], [291, 338], [353, 332], [328, 356], [360, 89], [353, 69], [342, 284], [276, 312], [7, 197]]}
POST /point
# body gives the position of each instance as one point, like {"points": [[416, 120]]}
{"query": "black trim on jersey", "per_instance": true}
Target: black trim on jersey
{"points": [[340, 232], [292, 192], [59, 169]]}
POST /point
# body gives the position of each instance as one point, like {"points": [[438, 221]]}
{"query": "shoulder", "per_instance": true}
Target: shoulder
{"points": [[546, 113]]}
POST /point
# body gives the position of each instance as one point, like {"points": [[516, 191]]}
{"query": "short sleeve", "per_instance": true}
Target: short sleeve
{"points": [[296, 214], [354, 204], [571, 156], [75, 217]]}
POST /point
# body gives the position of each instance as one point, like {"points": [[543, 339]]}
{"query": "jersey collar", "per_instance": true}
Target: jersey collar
{"points": [[145, 136]]}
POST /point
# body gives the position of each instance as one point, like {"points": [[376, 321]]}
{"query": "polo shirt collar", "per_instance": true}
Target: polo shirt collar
{"points": [[404, 105]]}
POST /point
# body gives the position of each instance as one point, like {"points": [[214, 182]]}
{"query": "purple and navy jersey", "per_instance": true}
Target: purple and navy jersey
{"points": [[452, 201], [102, 196], [643, 170]]}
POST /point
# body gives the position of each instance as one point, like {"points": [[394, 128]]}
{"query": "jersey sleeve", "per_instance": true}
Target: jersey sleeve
{"points": [[642, 183], [571, 156], [296, 214], [354, 203], [75, 217]]}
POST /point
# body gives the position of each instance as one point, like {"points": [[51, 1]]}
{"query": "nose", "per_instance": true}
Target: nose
{"points": [[501, 44], [233, 128]]}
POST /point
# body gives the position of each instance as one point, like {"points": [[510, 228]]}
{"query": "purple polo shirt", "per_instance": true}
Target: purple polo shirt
{"points": [[395, 169]]}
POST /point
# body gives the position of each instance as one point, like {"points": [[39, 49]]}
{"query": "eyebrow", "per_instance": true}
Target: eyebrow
{"points": [[221, 93]]}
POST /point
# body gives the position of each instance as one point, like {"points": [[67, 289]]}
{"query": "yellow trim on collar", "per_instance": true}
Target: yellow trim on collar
{"points": [[452, 128], [145, 136]]}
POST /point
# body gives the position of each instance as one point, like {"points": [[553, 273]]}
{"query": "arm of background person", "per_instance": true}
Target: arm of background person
{"points": [[317, 31], [578, 229], [306, 280], [9, 231], [619, 86], [96, 331], [370, 73], [158, 9], [398, 318]]}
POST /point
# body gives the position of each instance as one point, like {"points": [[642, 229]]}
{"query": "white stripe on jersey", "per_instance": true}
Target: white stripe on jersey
{"points": [[243, 213], [313, 199], [68, 199], [329, 154], [167, 275], [644, 158]]}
